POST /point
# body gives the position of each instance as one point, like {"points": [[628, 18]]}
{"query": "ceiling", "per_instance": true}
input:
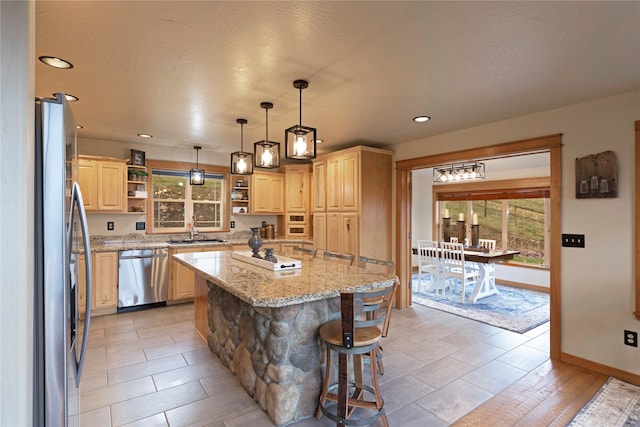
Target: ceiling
{"points": [[184, 71]]}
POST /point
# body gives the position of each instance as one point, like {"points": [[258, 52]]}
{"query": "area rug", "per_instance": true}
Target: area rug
{"points": [[616, 404], [514, 309]]}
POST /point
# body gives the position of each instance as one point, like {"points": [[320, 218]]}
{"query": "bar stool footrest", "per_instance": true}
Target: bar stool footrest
{"points": [[351, 421]]}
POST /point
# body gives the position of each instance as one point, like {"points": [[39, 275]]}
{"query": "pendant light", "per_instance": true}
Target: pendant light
{"points": [[196, 176], [241, 162], [266, 154], [300, 141]]}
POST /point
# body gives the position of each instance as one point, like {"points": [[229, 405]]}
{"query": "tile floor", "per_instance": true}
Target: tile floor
{"points": [[150, 368]]}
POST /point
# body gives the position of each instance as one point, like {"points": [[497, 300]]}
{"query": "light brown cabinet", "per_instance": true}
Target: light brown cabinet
{"points": [[342, 232], [319, 185], [181, 278], [296, 222], [260, 194], [357, 188], [103, 183], [105, 282], [342, 182], [266, 193]]}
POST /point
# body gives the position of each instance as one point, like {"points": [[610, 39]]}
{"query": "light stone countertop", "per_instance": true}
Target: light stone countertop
{"points": [[123, 245], [316, 280]]}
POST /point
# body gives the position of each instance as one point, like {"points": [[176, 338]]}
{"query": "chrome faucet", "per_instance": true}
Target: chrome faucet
{"points": [[193, 231]]}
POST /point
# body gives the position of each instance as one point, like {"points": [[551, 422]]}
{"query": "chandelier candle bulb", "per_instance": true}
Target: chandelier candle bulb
{"points": [[474, 221], [446, 213], [460, 216]]}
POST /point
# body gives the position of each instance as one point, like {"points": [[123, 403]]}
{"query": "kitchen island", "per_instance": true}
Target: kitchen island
{"points": [[263, 325]]}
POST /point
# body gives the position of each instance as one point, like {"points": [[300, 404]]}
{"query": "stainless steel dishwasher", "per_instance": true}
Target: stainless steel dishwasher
{"points": [[143, 278]]}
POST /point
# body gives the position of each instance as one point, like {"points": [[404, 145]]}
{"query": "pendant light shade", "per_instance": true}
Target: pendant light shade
{"points": [[266, 154], [241, 162], [300, 141], [196, 176]]}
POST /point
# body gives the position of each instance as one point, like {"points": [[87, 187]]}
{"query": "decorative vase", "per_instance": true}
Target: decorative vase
{"points": [[268, 256], [255, 242]]}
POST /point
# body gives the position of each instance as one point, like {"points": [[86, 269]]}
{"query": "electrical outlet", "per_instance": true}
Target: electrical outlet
{"points": [[573, 240], [140, 225], [110, 225], [233, 224], [631, 338]]}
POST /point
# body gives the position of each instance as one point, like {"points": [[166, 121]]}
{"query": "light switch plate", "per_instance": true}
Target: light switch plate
{"points": [[573, 240], [140, 225], [110, 225], [233, 224]]}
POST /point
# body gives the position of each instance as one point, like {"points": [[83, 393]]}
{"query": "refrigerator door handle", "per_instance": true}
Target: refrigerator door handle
{"points": [[76, 200]]}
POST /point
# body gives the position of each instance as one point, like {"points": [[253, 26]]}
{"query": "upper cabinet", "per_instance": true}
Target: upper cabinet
{"points": [[298, 181], [296, 222], [342, 181], [103, 184], [319, 186], [266, 193], [261, 193]]}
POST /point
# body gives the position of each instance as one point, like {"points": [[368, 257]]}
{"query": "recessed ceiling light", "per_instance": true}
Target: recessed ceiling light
{"points": [[319, 141], [54, 62], [145, 135], [79, 127], [421, 119], [69, 97]]}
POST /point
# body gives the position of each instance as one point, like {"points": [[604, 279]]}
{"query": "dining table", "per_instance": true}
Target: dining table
{"points": [[486, 261]]}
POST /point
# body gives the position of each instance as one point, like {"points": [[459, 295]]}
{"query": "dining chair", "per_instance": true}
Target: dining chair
{"points": [[304, 252], [353, 338], [429, 264], [487, 244], [453, 240], [334, 256], [454, 268]]}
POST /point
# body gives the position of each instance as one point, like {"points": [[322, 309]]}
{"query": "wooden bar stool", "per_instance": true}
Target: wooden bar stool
{"points": [[351, 338]]}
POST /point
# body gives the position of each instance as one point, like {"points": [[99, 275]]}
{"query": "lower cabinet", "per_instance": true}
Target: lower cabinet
{"points": [[342, 233], [181, 278], [105, 282]]}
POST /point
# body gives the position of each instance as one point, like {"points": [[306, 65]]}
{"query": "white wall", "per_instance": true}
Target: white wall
{"points": [[125, 224], [17, 52], [597, 281]]}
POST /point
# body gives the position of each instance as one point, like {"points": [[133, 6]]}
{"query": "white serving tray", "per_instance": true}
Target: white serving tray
{"points": [[284, 263]]}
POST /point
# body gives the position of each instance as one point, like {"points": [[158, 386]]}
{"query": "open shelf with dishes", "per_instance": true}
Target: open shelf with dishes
{"points": [[240, 194], [136, 189]]}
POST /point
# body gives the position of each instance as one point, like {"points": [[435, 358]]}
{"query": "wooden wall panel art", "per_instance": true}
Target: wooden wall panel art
{"points": [[597, 176]]}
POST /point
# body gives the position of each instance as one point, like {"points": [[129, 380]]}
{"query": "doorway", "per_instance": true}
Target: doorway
{"points": [[548, 144]]}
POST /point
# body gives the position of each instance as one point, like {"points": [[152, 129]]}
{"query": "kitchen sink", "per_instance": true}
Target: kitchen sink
{"points": [[189, 241]]}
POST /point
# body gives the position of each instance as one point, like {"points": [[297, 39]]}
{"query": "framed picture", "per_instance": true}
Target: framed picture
{"points": [[137, 157]]}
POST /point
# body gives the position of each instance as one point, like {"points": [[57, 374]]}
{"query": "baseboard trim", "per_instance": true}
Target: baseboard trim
{"points": [[523, 285], [600, 368]]}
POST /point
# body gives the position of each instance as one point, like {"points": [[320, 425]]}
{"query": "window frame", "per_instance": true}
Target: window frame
{"points": [[184, 167], [497, 189]]}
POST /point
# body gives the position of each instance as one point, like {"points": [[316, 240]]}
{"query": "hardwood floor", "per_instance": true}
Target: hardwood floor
{"points": [[150, 368]]}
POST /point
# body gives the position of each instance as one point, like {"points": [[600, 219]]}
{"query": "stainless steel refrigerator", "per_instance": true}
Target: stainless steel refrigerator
{"points": [[61, 241]]}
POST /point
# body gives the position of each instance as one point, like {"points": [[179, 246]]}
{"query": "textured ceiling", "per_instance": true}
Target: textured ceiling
{"points": [[184, 71]]}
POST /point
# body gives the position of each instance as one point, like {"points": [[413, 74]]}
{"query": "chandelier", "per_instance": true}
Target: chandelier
{"points": [[458, 172]]}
